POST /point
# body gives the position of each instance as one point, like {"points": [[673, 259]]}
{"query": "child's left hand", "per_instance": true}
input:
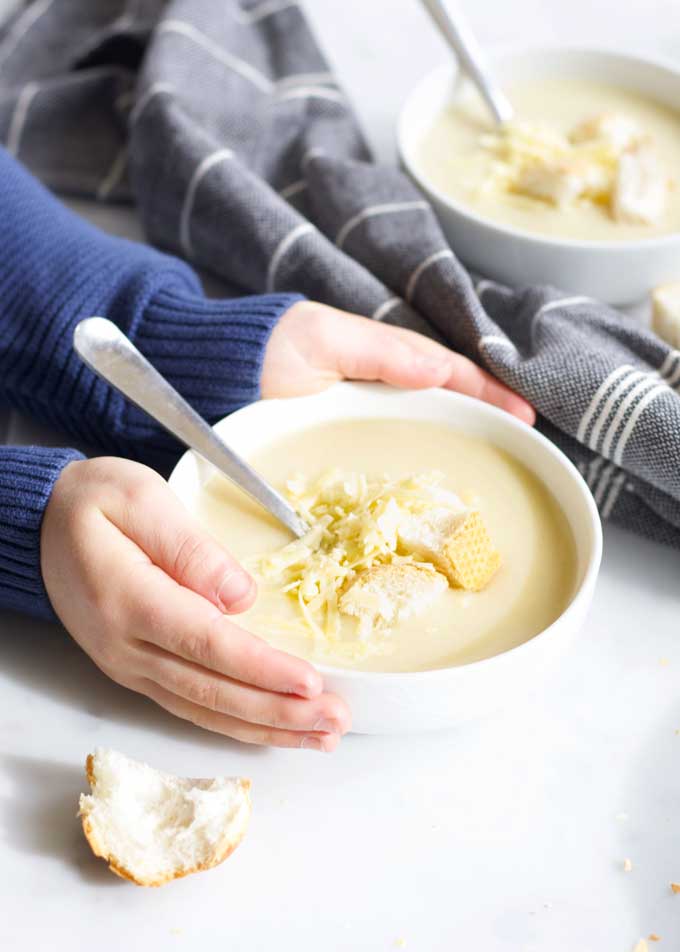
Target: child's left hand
{"points": [[314, 346]]}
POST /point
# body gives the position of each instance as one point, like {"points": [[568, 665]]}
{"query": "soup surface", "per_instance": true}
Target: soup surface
{"points": [[455, 157], [530, 590]]}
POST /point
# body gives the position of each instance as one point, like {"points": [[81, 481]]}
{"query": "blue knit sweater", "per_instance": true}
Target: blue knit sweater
{"points": [[56, 269]]}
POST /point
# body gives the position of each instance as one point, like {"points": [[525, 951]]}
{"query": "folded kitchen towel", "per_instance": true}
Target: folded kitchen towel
{"points": [[222, 121]]}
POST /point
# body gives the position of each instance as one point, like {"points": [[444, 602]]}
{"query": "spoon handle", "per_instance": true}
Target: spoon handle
{"points": [[109, 353], [461, 39]]}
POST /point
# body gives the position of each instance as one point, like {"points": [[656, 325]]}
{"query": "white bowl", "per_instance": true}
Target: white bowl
{"points": [[618, 272], [387, 702]]}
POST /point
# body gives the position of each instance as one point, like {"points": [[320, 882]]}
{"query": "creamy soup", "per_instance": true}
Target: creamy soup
{"points": [[530, 590], [461, 157]]}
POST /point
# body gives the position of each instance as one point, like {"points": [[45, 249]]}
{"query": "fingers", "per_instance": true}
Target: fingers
{"points": [[184, 624], [233, 727], [406, 359], [325, 713], [151, 514], [222, 646], [368, 350], [315, 345], [466, 377]]}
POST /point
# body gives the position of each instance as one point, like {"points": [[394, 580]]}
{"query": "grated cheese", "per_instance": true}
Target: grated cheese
{"points": [[355, 524], [539, 162]]}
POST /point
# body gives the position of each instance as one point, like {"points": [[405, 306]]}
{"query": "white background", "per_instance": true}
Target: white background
{"points": [[507, 836]]}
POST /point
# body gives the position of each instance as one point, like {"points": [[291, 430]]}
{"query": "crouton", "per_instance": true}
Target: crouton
{"points": [[385, 594], [455, 542]]}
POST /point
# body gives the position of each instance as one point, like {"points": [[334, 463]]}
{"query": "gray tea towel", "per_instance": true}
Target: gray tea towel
{"points": [[221, 119]]}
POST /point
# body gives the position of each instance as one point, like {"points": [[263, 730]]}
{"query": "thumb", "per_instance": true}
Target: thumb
{"points": [[161, 527]]}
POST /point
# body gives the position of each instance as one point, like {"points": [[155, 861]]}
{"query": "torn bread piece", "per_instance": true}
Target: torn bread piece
{"points": [[457, 543], [666, 313], [152, 827], [385, 594]]}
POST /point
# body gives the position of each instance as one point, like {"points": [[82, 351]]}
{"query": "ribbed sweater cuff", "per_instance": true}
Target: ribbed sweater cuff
{"points": [[27, 477], [212, 351]]}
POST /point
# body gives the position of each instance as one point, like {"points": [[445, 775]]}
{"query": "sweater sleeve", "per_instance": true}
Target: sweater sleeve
{"points": [[56, 269], [27, 475]]}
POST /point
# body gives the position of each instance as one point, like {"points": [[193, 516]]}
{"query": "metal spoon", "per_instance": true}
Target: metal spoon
{"points": [[461, 39], [109, 353]]}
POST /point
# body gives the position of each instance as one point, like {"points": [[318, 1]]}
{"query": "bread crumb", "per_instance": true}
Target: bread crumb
{"points": [[641, 946], [400, 943], [664, 662], [627, 865], [675, 888], [622, 817], [176, 931], [653, 937]]}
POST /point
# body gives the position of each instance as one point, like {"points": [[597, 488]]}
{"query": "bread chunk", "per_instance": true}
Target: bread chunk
{"points": [[152, 827], [641, 188], [559, 182], [666, 313], [456, 543], [385, 594]]}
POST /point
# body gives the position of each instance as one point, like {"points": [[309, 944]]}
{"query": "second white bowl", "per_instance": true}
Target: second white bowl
{"points": [[617, 272]]}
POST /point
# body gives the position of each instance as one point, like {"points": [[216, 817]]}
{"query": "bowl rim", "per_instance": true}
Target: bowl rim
{"points": [[584, 588], [450, 68]]}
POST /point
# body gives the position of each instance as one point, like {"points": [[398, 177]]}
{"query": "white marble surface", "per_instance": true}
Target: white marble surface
{"points": [[507, 836]]}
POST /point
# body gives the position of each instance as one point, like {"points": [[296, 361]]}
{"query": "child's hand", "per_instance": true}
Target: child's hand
{"points": [[148, 596], [314, 346]]}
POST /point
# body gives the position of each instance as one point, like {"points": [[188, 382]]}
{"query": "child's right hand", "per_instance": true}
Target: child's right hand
{"points": [[148, 595]]}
